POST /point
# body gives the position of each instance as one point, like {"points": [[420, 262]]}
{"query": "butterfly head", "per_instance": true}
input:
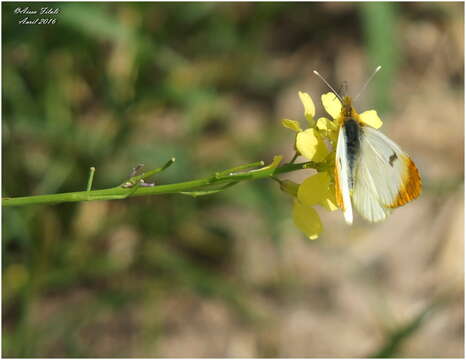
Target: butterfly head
{"points": [[347, 110]]}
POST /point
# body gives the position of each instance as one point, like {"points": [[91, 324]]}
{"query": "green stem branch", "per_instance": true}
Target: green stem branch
{"points": [[91, 179], [119, 192], [294, 158]]}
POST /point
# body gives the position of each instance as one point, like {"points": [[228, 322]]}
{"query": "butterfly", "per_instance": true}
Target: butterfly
{"points": [[372, 172]]}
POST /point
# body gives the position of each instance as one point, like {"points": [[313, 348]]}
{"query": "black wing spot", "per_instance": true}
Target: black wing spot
{"points": [[392, 159]]}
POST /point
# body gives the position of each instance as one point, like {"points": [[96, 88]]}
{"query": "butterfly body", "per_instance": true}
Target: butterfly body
{"points": [[353, 144]]}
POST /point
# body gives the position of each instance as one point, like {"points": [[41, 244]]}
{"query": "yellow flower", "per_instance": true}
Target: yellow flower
{"points": [[305, 217], [315, 190], [309, 143]]}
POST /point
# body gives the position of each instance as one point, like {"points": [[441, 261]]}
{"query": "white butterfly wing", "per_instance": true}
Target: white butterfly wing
{"points": [[365, 197], [342, 177], [385, 177]]}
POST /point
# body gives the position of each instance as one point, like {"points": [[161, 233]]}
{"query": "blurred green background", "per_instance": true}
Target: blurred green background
{"points": [[112, 85]]}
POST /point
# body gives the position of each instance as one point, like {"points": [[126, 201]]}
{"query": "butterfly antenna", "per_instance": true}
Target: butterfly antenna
{"points": [[368, 81], [329, 86]]}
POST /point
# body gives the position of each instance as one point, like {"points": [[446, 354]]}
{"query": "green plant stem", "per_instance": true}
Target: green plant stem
{"points": [[294, 158], [120, 192], [91, 179]]}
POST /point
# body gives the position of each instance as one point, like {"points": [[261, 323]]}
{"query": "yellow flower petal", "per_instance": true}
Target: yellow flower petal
{"points": [[309, 108], [331, 104], [328, 128], [330, 202], [371, 118], [277, 159], [326, 124], [291, 124], [307, 220], [310, 144], [314, 189]]}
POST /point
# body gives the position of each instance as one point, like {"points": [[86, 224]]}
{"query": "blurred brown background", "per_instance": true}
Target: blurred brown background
{"points": [[112, 85]]}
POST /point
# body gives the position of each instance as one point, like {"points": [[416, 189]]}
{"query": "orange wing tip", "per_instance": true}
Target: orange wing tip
{"points": [[411, 187]]}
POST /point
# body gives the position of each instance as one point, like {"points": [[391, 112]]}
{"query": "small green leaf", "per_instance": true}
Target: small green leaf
{"points": [[200, 193], [208, 192]]}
